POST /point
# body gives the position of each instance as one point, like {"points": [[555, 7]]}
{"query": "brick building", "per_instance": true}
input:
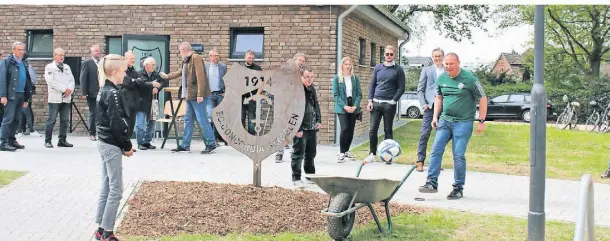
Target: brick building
{"points": [[276, 33]]}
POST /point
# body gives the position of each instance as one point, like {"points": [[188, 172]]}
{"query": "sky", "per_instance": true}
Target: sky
{"points": [[486, 48]]}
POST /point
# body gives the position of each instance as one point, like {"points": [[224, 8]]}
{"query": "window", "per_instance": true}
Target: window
{"points": [[381, 53], [243, 39], [114, 45], [40, 43], [502, 98], [361, 56], [373, 54], [515, 98], [528, 98]]}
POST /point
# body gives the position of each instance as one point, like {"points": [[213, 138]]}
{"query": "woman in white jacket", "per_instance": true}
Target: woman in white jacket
{"points": [[60, 83]]}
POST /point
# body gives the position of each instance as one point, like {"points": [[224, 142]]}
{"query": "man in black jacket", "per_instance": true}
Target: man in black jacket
{"points": [[249, 109], [90, 85], [306, 140], [151, 85], [15, 91]]}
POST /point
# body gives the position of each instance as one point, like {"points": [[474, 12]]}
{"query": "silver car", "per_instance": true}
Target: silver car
{"points": [[409, 105]]}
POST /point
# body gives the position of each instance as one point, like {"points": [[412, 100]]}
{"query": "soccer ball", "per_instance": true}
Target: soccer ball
{"points": [[388, 149]]}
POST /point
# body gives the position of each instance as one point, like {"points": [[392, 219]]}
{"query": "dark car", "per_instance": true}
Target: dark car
{"points": [[513, 106]]}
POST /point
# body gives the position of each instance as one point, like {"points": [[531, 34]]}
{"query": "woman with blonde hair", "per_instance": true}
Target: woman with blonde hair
{"points": [[113, 142], [348, 95]]}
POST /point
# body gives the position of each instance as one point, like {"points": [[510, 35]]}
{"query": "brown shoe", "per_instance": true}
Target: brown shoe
{"points": [[420, 167]]}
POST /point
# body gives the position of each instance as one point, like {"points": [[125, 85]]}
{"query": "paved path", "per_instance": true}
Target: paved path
{"points": [[56, 199]]}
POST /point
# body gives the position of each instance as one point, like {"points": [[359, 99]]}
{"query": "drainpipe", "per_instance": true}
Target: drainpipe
{"points": [[339, 57], [399, 61]]}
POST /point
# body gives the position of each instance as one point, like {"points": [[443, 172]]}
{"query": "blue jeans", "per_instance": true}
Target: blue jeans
{"points": [[144, 128], [211, 102], [197, 110], [10, 120], [460, 132]]}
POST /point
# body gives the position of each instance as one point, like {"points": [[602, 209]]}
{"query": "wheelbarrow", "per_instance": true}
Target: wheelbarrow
{"points": [[348, 194]]}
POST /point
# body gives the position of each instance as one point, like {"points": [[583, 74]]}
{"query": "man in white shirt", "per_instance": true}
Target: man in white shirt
{"points": [[426, 93], [60, 83]]}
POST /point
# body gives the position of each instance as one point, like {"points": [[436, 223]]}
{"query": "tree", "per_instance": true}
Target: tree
{"points": [[453, 21], [579, 32]]}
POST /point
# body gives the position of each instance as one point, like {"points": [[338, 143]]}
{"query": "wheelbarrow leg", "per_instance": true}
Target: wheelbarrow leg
{"points": [[387, 213], [375, 217]]}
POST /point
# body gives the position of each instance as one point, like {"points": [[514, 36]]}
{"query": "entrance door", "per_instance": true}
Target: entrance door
{"points": [[144, 46]]}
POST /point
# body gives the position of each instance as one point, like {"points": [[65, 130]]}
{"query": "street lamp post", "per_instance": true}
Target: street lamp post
{"points": [[536, 215]]}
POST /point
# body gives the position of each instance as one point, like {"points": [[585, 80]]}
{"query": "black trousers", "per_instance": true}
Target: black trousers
{"points": [[91, 103], [304, 149], [386, 111], [63, 109]]}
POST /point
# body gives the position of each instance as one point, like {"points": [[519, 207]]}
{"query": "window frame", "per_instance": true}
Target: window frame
{"points": [[362, 51], [30, 44], [107, 43], [235, 31]]}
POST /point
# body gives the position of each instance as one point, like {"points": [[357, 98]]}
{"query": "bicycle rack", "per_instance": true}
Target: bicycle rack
{"points": [[585, 219]]}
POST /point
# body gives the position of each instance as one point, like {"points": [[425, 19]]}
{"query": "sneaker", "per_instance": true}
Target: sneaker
{"points": [[370, 158], [142, 147], [279, 158], [606, 174], [149, 146], [7, 147], [111, 238], [209, 149], [35, 133], [349, 156], [19, 134], [428, 188], [341, 158], [26, 132], [309, 181], [98, 235], [48, 145], [298, 184], [455, 194], [180, 149], [92, 138]]}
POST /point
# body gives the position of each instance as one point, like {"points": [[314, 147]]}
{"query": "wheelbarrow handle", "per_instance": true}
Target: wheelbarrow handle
{"points": [[360, 168]]}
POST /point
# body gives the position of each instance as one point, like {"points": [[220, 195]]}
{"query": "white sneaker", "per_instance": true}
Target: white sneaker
{"points": [[298, 184], [349, 156], [341, 158], [370, 158], [35, 133], [20, 134]]}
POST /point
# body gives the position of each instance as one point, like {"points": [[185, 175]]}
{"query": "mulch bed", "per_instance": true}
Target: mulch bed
{"points": [[172, 208]]}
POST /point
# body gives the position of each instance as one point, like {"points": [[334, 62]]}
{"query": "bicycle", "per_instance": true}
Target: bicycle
{"points": [[569, 116], [596, 120]]}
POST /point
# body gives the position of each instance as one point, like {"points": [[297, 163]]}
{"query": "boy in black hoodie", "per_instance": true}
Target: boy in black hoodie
{"points": [[306, 140]]}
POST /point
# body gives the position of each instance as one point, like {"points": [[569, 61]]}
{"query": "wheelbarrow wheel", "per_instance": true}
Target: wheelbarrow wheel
{"points": [[340, 228]]}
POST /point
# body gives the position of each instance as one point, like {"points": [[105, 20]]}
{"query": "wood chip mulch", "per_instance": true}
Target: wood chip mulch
{"points": [[172, 208]]}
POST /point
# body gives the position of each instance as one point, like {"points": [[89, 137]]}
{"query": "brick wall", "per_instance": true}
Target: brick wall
{"points": [[355, 28], [288, 30]]}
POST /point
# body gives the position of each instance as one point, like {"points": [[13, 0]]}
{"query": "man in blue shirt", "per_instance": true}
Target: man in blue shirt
{"points": [[215, 71], [15, 90]]}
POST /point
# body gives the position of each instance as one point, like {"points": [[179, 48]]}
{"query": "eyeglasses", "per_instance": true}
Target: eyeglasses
{"points": [[389, 54]]}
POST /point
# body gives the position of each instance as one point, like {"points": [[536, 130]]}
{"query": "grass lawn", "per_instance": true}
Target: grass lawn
{"points": [[435, 225], [6, 177], [504, 148]]}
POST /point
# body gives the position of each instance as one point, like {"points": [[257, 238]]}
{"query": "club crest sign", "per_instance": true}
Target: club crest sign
{"points": [[142, 54], [272, 102]]}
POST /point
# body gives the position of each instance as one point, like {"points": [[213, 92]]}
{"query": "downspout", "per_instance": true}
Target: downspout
{"points": [[399, 64], [340, 56]]}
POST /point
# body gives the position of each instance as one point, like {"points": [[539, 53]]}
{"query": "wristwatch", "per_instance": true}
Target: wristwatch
{"points": [[481, 120]]}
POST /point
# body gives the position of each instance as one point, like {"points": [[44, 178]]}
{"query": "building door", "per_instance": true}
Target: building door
{"points": [[144, 46]]}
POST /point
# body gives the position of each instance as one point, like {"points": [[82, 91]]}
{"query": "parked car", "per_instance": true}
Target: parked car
{"points": [[409, 105], [513, 106]]}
